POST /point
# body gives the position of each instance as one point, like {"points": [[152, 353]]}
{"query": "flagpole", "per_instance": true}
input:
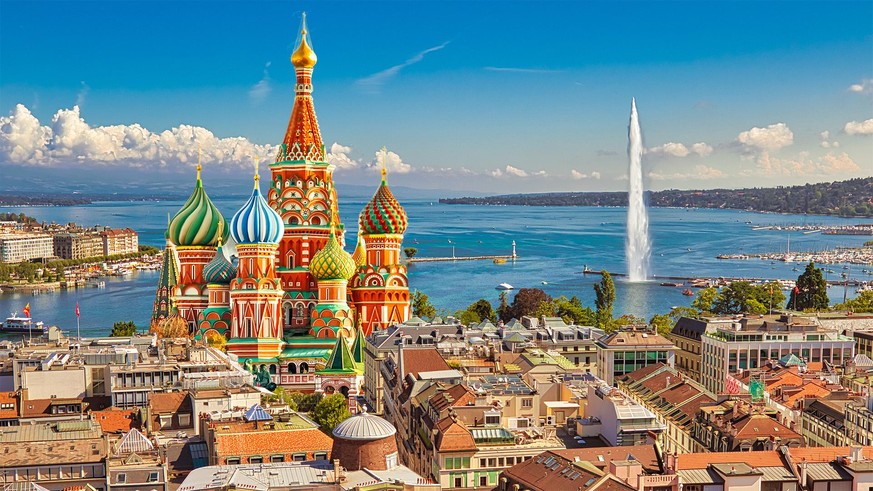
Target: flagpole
{"points": [[78, 333]]}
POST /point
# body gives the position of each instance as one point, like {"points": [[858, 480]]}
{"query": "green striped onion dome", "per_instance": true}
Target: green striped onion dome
{"points": [[332, 262], [198, 222], [383, 214], [219, 270]]}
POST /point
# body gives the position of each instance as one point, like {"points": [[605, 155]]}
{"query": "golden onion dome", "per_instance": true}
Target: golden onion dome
{"points": [[304, 56], [332, 262]]}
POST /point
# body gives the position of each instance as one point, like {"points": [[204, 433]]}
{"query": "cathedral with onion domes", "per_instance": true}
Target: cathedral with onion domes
{"points": [[275, 286]]}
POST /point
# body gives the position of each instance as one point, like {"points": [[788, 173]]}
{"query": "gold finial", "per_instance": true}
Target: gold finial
{"points": [[384, 163], [257, 176], [304, 56], [220, 230], [198, 161]]}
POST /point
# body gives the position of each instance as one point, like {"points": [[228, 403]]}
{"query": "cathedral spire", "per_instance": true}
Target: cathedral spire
{"points": [[303, 138]]}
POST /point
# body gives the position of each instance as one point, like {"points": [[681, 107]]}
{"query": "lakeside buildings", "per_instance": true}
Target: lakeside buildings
{"points": [[749, 342], [293, 305], [631, 348], [18, 245]]}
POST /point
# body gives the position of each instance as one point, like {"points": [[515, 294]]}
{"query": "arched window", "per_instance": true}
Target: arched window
{"points": [[292, 368], [315, 221], [300, 310], [304, 367], [273, 369]]}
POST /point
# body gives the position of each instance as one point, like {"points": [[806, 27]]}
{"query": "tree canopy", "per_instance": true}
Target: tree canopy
{"points": [[605, 299], [744, 297], [421, 305], [123, 329], [861, 303], [811, 292], [330, 411], [527, 301]]}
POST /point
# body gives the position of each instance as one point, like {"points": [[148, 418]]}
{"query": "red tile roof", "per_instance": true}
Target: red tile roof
{"points": [[453, 436], [272, 442], [553, 471], [644, 372], [766, 458], [169, 402], [5, 399], [417, 360], [825, 454], [454, 396], [115, 420], [760, 425], [602, 456]]}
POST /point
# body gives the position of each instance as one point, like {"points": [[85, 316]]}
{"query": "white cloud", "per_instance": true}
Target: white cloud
{"points": [[375, 81], [859, 127], [702, 149], [680, 150], [670, 148], [803, 165], [700, 172], [515, 171], [339, 157], [22, 138], [826, 140], [864, 87], [70, 140], [389, 160], [772, 137], [581, 175], [259, 92]]}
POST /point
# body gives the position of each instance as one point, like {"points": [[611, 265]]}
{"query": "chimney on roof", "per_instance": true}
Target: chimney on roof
{"points": [[803, 466], [337, 471]]}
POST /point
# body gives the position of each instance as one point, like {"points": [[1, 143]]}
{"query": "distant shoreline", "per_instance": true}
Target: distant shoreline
{"points": [[846, 199]]}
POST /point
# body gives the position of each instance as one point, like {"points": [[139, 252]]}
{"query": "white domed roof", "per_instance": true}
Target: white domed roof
{"points": [[364, 426]]}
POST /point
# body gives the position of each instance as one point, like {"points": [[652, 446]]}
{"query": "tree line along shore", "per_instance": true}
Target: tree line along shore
{"points": [[852, 198]]}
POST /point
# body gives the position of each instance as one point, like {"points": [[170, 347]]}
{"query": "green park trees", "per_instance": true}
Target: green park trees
{"points": [[811, 292]]}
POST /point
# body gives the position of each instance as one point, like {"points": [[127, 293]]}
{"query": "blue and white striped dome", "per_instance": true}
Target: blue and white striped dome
{"points": [[256, 222]]}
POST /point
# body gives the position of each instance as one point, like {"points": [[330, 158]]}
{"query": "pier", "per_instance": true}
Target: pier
{"points": [[459, 258]]}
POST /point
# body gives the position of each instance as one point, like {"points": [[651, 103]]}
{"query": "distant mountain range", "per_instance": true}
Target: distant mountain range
{"points": [[852, 198], [63, 187]]}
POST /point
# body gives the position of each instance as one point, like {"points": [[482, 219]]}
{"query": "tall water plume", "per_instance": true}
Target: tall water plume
{"points": [[637, 248]]}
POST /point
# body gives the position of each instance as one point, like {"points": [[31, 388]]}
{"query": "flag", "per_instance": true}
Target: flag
{"points": [[26, 310], [77, 309], [796, 290]]}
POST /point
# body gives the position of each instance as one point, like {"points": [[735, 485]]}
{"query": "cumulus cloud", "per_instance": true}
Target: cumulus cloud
{"points": [[259, 92], [673, 149], [803, 165], [702, 149], [375, 81], [859, 127], [826, 140], [390, 161], [864, 87], [581, 175], [699, 172], [339, 157], [771, 138], [69, 139]]}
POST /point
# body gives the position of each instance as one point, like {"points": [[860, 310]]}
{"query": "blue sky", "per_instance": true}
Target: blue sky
{"points": [[491, 96]]}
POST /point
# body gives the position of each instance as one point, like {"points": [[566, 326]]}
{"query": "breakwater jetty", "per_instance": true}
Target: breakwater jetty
{"points": [[460, 258]]}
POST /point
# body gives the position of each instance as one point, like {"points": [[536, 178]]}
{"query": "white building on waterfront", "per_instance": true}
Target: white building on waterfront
{"points": [[750, 342], [16, 247]]}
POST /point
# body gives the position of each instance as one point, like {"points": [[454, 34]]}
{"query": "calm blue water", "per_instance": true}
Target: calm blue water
{"points": [[553, 244]]}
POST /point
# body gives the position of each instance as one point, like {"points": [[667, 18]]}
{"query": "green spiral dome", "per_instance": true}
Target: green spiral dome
{"points": [[332, 262], [198, 222]]}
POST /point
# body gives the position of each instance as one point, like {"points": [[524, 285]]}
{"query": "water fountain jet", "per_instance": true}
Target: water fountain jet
{"points": [[637, 246]]}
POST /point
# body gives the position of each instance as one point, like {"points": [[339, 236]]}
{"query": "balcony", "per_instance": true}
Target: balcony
{"points": [[647, 482]]}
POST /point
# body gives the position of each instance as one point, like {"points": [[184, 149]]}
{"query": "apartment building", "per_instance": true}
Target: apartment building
{"points": [[16, 247], [750, 342], [631, 348]]}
